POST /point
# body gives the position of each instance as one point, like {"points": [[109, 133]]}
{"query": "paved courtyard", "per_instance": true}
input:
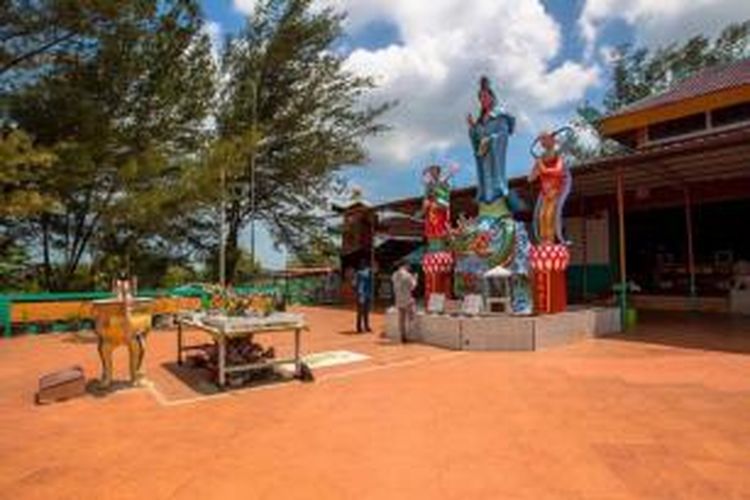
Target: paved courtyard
{"points": [[663, 412]]}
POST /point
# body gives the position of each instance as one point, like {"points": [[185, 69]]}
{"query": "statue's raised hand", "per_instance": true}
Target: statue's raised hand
{"points": [[470, 120]]}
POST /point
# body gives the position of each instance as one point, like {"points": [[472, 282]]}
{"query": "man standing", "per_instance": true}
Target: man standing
{"points": [[404, 284], [363, 291]]}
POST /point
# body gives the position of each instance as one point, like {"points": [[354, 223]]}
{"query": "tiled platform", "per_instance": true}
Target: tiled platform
{"points": [[661, 412], [509, 333]]}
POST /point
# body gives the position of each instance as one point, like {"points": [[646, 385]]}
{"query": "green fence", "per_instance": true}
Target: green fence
{"points": [[308, 290]]}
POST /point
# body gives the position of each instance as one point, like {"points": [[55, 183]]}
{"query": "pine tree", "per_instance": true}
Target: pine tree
{"points": [[286, 85]]}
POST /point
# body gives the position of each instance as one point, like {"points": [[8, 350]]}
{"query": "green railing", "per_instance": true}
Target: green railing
{"points": [[303, 290]]}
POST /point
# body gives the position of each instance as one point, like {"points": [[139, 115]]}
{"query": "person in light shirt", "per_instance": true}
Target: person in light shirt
{"points": [[404, 284]]}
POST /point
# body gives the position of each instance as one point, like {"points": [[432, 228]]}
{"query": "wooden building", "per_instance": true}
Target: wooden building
{"points": [[683, 189]]}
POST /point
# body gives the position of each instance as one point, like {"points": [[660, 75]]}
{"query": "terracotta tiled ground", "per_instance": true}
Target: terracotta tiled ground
{"points": [[660, 413]]}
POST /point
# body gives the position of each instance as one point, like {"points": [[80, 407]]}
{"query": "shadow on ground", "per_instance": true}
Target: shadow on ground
{"points": [[93, 388], [202, 381], [704, 331]]}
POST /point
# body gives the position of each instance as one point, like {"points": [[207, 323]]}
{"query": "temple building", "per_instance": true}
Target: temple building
{"points": [[668, 216]]}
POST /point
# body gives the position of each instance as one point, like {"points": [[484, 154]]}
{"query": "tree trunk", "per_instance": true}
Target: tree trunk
{"points": [[45, 249], [232, 251]]}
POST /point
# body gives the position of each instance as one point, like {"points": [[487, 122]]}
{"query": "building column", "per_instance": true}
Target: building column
{"points": [[690, 252], [584, 248], [621, 228]]}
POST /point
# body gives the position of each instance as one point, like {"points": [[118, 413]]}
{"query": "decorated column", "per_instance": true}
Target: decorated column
{"points": [[550, 255]]}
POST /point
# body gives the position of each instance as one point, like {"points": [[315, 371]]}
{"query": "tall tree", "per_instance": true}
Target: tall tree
{"points": [[123, 111], [285, 81]]}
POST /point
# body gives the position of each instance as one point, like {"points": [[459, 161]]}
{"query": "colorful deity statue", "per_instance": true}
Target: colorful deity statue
{"points": [[493, 241], [550, 255], [489, 132], [437, 261]]}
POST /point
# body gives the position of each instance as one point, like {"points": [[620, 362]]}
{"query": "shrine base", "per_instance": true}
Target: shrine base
{"points": [[506, 332]]}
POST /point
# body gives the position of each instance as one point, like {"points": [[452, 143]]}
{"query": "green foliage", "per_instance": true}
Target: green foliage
{"points": [[41, 36], [639, 73], [123, 104], [22, 167], [319, 251], [177, 275], [247, 270], [15, 269]]}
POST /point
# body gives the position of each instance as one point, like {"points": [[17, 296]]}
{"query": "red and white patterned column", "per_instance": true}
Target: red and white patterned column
{"points": [[550, 263], [438, 272]]}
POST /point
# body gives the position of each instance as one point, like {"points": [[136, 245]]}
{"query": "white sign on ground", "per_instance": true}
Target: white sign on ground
{"points": [[328, 358]]}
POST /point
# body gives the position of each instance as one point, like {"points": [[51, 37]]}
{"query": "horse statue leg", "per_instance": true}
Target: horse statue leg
{"points": [[105, 348], [136, 350]]}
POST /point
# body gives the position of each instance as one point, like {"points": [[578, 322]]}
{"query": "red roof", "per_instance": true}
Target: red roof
{"points": [[704, 82]]}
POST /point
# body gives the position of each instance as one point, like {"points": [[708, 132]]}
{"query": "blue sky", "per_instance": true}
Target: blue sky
{"points": [[547, 57]]}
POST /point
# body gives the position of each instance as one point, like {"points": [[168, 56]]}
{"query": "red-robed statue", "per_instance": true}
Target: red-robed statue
{"points": [[437, 261], [550, 255], [436, 205], [549, 169]]}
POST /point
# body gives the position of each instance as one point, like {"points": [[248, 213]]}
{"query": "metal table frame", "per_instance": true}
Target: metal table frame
{"points": [[220, 339]]}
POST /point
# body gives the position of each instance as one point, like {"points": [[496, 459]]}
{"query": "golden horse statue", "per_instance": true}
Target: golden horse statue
{"points": [[122, 321]]}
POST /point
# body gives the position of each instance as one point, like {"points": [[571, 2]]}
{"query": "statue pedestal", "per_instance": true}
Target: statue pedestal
{"points": [[550, 263], [438, 273], [505, 332]]}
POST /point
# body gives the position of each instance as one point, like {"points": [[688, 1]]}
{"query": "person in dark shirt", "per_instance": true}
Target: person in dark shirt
{"points": [[363, 292]]}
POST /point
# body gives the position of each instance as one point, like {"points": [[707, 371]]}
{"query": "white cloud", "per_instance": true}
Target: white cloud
{"points": [[446, 45], [660, 22], [247, 7]]}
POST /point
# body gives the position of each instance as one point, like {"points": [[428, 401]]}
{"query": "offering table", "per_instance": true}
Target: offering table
{"points": [[222, 328]]}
